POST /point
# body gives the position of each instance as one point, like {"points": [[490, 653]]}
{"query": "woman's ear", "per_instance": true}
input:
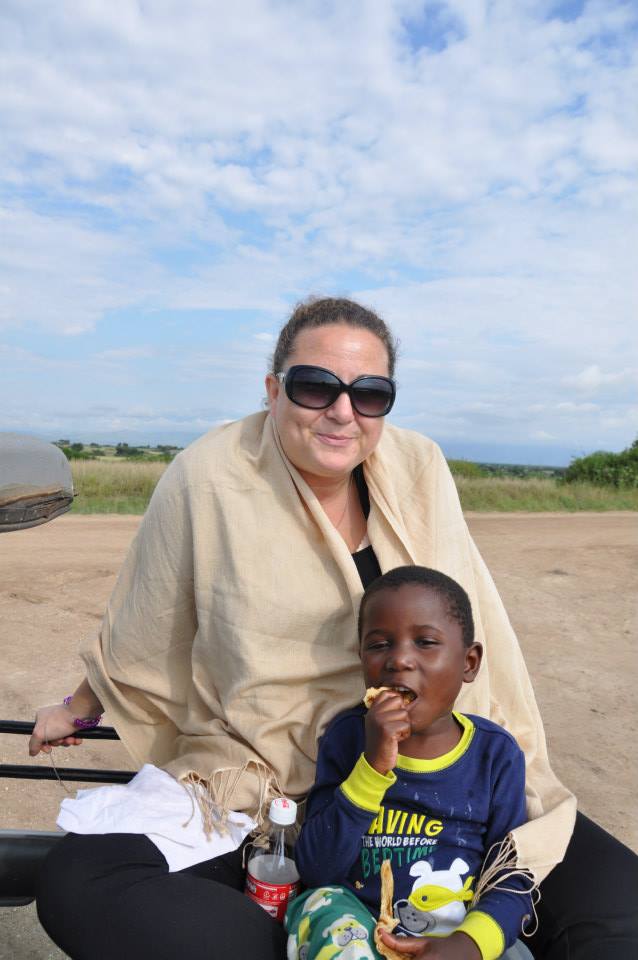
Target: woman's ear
{"points": [[473, 657], [273, 387]]}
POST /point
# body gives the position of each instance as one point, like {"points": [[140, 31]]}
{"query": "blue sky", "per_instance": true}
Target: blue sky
{"points": [[174, 177]]}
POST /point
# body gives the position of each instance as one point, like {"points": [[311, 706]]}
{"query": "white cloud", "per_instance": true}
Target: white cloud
{"points": [[591, 378], [198, 103], [476, 184], [63, 275]]}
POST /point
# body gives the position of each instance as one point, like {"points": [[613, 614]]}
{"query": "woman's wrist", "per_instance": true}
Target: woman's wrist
{"points": [[82, 723], [83, 704]]}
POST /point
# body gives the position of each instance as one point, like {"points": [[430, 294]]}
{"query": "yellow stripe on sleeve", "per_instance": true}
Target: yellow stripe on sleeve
{"points": [[365, 787], [485, 932]]}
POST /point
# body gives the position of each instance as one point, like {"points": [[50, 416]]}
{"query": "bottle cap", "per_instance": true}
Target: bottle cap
{"points": [[283, 812]]}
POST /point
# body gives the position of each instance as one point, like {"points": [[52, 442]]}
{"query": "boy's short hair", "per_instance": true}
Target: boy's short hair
{"points": [[457, 602]]}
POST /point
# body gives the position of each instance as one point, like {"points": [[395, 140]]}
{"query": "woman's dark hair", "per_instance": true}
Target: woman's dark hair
{"points": [[320, 312], [456, 600]]}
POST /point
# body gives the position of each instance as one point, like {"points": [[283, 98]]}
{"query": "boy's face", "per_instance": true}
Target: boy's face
{"points": [[409, 641]]}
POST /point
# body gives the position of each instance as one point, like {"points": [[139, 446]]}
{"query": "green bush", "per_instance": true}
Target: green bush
{"points": [[123, 450], [606, 469], [465, 468], [71, 453]]}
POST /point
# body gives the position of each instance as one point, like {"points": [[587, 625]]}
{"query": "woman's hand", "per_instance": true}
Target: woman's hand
{"points": [[387, 724], [458, 946], [53, 727]]}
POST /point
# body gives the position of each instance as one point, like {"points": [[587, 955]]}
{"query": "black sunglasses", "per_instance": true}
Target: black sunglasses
{"points": [[317, 388]]}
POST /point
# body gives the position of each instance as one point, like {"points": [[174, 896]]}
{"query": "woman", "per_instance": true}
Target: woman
{"points": [[230, 642]]}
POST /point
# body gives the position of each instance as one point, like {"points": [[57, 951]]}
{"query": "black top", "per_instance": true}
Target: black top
{"points": [[367, 565], [365, 560]]}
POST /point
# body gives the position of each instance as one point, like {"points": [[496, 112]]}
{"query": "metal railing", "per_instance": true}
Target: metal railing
{"points": [[27, 771]]}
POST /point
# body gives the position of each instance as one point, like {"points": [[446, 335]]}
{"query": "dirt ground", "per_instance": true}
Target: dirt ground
{"points": [[569, 582]]}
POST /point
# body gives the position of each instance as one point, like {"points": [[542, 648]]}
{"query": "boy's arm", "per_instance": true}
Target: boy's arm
{"points": [[341, 806], [495, 921]]}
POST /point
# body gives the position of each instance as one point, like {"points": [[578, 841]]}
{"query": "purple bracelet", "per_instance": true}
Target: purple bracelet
{"points": [[78, 722]]}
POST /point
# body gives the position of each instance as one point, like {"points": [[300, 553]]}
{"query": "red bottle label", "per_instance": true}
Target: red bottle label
{"points": [[273, 897]]}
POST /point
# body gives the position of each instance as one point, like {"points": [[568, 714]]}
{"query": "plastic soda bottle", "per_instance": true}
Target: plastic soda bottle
{"points": [[272, 880]]}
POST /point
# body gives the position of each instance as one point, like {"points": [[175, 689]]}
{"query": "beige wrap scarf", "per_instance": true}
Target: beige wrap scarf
{"points": [[230, 639]]}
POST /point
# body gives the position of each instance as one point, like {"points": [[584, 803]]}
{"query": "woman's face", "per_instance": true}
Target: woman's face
{"points": [[329, 443]]}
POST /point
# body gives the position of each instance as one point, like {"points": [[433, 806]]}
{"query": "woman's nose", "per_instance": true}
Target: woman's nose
{"points": [[341, 410]]}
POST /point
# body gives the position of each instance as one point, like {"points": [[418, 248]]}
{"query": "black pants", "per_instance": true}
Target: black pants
{"points": [[112, 898], [589, 902]]}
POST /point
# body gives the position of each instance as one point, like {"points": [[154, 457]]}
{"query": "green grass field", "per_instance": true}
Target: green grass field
{"points": [[114, 486], [511, 494], [111, 486]]}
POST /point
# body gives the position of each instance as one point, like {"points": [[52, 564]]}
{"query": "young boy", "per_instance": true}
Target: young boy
{"points": [[411, 781]]}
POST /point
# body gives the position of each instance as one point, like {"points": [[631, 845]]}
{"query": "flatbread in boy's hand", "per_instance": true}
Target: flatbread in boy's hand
{"points": [[371, 695], [373, 692], [386, 920]]}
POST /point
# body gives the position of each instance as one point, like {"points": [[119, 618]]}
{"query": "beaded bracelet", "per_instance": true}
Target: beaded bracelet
{"points": [[78, 722]]}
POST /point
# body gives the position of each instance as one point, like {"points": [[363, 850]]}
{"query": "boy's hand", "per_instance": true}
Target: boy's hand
{"points": [[458, 946], [387, 723]]}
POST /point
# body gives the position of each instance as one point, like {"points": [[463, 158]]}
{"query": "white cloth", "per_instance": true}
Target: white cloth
{"points": [[157, 805]]}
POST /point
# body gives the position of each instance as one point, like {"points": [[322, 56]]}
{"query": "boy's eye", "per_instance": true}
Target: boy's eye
{"points": [[425, 641], [376, 645]]}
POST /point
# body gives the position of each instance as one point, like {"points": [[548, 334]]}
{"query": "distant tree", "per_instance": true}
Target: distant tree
{"points": [[606, 469], [78, 447], [123, 450]]}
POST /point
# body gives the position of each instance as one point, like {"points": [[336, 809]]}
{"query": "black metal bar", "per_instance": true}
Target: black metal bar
{"points": [[21, 856], [18, 771], [26, 728]]}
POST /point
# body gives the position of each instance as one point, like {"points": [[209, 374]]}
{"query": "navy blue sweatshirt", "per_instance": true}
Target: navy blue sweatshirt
{"points": [[436, 820]]}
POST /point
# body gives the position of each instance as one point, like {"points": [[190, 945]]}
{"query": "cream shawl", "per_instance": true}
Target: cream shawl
{"points": [[230, 639]]}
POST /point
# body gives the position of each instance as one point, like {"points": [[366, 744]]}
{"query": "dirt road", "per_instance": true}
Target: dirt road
{"points": [[569, 582]]}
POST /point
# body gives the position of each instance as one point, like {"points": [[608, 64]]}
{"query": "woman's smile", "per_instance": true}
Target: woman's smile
{"points": [[334, 439]]}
